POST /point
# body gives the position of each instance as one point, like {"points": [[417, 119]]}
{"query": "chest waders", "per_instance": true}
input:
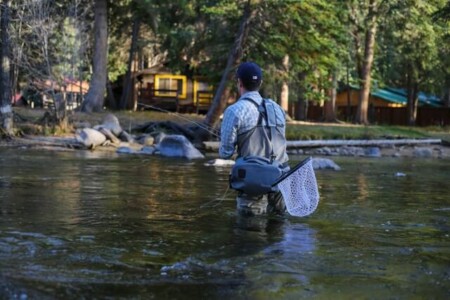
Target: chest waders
{"points": [[262, 154], [266, 139]]}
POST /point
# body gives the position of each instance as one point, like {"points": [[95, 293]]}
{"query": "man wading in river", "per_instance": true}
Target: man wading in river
{"points": [[245, 127]]}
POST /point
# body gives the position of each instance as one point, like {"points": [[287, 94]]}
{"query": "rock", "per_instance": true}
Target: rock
{"points": [[125, 150], [324, 163], [81, 125], [149, 150], [423, 152], [90, 138], [351, 151], [112, 123], [109, 135], [126, 137], [178, 146], [218, 162], [146, 140], [372, 152], [159, 137], [323, 151]]}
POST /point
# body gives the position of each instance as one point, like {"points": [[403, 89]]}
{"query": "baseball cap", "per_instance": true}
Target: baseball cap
{"points": [[250, 74]]}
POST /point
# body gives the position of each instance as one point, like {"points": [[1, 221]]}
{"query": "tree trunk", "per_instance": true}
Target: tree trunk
{"points": [[110, 97], [302, 106], [412, 96], [95, 97], [128, 84], [284, 97], [220, 98], [330, 104], [353, 15], [369, 47], [6, 114]]}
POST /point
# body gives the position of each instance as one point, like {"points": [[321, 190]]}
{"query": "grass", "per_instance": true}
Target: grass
{"points": [[319, 131], [295, 130]]}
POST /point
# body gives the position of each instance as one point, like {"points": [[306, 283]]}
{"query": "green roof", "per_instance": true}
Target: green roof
{"points": [[398, 96], [388, 96]]}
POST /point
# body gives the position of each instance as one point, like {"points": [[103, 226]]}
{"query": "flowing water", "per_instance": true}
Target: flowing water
{"points": [[94, 225]]}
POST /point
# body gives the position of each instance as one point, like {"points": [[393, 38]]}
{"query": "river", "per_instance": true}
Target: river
{"points": [[99, 225]]}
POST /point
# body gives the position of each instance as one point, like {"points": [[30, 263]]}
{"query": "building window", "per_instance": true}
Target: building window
{"points": [[170, 83]]}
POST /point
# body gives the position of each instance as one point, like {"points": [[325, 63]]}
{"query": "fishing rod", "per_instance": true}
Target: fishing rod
{"points": [[204, 127]]}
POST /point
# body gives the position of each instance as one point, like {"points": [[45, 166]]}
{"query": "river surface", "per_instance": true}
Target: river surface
{"points": [[94, 225]]}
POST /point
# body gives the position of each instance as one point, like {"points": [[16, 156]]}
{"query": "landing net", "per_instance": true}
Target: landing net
{"points": [[299, 189]]}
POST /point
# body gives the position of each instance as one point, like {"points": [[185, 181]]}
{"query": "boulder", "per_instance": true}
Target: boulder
{"points": [[112, 123], [109, 135], [423, 152], [125, 150], [149, 150], [126, 137], [90, 138], [146, 140], [324, 163], [372, 152], [177, 146]]}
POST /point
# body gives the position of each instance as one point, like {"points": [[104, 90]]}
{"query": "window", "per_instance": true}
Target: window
{"points": [[170, 83], [202, 93]]}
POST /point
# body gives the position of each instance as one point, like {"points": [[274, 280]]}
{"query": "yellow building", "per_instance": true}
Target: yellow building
{"points": [[159, 88]]}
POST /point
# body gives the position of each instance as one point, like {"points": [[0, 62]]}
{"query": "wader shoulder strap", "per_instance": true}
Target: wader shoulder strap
{"points": [[266, 111], [261, 110]]}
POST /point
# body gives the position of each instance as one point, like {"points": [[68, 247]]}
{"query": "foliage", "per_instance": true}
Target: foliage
{"points": [[49, 39], [54, 39], [411, 45]]}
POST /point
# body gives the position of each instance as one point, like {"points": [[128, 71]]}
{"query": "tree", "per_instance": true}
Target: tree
{"points": [[284, 95], [310, 35], [364, 21], [220, 97], [442, 19], [330, 104], [6, 114], [413, 48], [46, 39], [96, 95], [128, 80]]}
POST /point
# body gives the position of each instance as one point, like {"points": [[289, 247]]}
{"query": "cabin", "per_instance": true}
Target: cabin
{"points": [[388, 106], [386, 97], [41, 93], [157, 88]]}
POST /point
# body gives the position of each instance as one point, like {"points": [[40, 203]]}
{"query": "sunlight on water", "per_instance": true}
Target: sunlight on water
{"points": [[95, 225]]}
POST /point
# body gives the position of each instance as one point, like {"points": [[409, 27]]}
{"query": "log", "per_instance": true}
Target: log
{"points": [[214, 146]]}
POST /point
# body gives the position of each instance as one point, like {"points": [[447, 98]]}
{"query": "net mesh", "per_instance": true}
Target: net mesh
{"points": [[300, 191]]}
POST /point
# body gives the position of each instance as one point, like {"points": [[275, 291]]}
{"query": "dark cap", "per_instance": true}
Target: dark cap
{"points": [[250, 74]]}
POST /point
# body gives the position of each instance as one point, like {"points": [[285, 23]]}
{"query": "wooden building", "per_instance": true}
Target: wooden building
{"points": [[387, 97], [389, 106], [157, 88]]}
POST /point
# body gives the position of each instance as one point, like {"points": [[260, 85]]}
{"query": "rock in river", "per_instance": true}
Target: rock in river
{"points": [[178, 146]]}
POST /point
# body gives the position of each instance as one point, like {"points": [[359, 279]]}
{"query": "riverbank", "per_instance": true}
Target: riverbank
{"points": [[380, 148], [349, 139]]}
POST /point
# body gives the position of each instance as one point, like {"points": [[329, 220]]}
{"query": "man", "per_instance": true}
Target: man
{"points": [[240, 130]]}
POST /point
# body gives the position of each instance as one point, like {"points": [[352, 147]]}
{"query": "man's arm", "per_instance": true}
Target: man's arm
{"points": [[228, 134]]}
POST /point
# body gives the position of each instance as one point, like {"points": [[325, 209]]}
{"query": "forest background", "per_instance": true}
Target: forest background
{"points": [[305, 47]]}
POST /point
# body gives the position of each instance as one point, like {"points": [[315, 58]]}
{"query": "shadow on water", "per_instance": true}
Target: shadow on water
{"points": [[93, 225]]}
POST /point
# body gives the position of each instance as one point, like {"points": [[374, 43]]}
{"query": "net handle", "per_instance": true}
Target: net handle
{"points": [[298, 166]]}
